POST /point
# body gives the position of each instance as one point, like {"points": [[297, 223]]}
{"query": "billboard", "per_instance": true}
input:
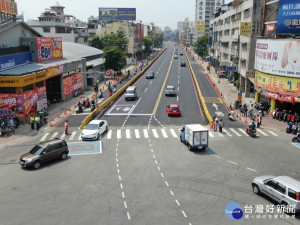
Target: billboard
{"points": [[8, 6], [288, 17], [278, 57], [201, 16], [14, 60], [72, 83], [49, 48], [246, 28], [116, 14]]}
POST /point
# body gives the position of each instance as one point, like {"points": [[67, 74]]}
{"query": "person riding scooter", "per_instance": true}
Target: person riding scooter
{"points": [[231, 115], [79, 108], [251, 128]]}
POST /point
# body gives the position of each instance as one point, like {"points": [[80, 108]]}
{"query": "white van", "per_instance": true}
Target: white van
{"points": [[130, 93]]}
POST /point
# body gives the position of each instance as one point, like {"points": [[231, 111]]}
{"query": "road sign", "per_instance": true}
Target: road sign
{"points": [[108, 72], [231, 68]]}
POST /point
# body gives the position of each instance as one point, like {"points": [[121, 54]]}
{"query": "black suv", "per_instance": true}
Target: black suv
{"points": [[45, 152]]}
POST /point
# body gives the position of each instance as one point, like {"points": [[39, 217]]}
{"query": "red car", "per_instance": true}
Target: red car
{"points": [[173, 110]]}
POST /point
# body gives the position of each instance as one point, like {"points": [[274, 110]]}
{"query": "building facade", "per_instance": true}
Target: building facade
{"points": [[234, 35]]}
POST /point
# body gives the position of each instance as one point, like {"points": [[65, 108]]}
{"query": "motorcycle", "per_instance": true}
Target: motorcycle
{"points": [[252, 116], [231, 116], [251, 132], [296, 139], [79, 109], [93, 107], [289, 128], [294, 129]]}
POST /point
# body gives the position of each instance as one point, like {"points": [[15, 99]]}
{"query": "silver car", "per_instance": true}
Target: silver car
{"points": [[94, 130], [283, 189], [170, 90]]}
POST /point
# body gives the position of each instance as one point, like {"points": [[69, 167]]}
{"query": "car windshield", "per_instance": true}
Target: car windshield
{"points": [[130, 92], [170, 88], [37, 150], [91, 127], [174, 108], [150, 74]]}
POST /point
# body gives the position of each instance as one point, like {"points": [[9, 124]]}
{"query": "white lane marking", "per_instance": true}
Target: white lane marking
{"points": [[120, 178], [164, 133], [177, 98], [242, 130], [44, 137], [128, 216], [251, 169], [236, 133], [63, 135], [177, 202], [118, 134], [272, 133], [109, 133], [151, 82], [54, 135], [158, 168], [146, 133], [184, 214], [72, 135], [263, 133], [162, 175], [137, 133], [155, 133], [151, 150], [217, 156], [226, 132], [125, 204], [171, 192], [155, 162], [153, 156], [210, 134], [145, 89], [178, 81], [121, 186], [220, 134], [167, 183], [123, 195], [173, 133], [232, 162], [178, 88], [79, 138]]}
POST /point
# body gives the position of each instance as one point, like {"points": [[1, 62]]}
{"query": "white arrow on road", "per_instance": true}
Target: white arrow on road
{"points": [[216, 106], [219, 113], [118, 108], [126, 109]]}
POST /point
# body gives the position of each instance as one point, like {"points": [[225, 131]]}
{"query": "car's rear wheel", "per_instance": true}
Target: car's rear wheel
{"points": [[63, 155], [36, 164], [190, 148], [106, 129], [255, 189], [98, 136]]}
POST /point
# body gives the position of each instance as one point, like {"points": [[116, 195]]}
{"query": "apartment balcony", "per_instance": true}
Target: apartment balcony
{"points": [[244, 55]]}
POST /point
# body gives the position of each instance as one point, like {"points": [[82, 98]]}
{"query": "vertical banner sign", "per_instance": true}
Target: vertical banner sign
{"points": [[72, 83], [216, 36], [49, 48], [138, 32], [201, 16], [288, 17], [210, 37]]}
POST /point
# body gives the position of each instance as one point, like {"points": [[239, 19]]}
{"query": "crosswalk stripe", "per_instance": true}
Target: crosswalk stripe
{"points": [[137, 133], [44, 137], [128, 134], [146, 133], [173, 133], [263, 133], [164, 133], [118, 134], [72, 136], [244, 132], [109, 134], [236, 133], [155, 133], [220, 134], [210, 134], [63, 135], [54, 135], [79, 138], [227, 133], [272, 133]]}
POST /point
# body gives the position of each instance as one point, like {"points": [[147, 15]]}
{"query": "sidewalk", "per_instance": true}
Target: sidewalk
{"points": [[229, 94]]}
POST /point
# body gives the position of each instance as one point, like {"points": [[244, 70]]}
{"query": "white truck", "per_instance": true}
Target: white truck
{"points": [[195, 136]]}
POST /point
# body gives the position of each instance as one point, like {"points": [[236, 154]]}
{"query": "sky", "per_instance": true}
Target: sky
{"points": [[161, 12]]}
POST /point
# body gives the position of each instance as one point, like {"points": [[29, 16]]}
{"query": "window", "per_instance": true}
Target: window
{"points": [[46, 29], [281, 188], [292, 193], [271, 183], [246, 13], [244, 47], [232, 31]]}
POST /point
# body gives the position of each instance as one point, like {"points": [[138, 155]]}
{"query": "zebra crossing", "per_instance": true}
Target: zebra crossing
{"points": [[155, 133]]}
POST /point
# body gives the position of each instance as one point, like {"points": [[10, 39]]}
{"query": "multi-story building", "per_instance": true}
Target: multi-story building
{"points": [[233, 42], [54, 23], [204, 13], [184, 30]]}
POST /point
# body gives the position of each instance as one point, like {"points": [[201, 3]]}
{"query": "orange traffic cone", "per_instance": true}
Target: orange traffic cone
{"points": [[65, 112], [52, 118], [50, 124], [246, 120], [58, 116], [240, 118], [211, 125], [69, 108], [74, 106]]}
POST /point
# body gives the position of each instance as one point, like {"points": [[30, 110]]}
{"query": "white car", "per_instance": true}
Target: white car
{"points": [[94, 130]]}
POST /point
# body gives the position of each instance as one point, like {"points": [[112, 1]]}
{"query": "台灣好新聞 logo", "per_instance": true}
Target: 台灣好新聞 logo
{"points": [[233, 211]]}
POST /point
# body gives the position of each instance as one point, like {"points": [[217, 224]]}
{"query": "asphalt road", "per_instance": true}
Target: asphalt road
{"points": [[140, 172]]}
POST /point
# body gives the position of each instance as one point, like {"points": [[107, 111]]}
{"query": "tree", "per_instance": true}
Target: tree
{"points": [[97, 42], [114, 58], [201, 46], [158, 40], [118, 39], [148, 41]]}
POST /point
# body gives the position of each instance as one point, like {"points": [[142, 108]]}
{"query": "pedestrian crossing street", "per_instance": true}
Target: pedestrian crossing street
{"points": [[155, 133]]}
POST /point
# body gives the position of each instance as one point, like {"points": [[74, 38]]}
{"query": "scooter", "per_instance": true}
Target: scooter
{"points": [[250, 132], [289, 128], [79, 109], [252, 116], [294, 129], [231, 116], [296, 139], [93, 107]]}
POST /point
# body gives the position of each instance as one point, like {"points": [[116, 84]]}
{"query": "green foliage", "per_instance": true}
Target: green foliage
{"points": [[114, 58], [97, 42], [147, 41], [158, 40], [119, 39], [201, 46]]}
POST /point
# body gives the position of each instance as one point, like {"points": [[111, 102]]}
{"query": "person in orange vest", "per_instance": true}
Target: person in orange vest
{"points": [[66, 127]]}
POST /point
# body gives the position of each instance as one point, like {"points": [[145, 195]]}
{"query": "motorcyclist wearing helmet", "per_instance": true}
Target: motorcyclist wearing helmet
{"points": [[252, 127]]}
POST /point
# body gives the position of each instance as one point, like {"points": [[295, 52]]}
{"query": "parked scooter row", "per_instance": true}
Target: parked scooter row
{"points": [[286, 116]]}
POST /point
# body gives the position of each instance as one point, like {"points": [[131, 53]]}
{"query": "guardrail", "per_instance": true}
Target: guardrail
{"points": [[202, 100], [96, 112]]}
